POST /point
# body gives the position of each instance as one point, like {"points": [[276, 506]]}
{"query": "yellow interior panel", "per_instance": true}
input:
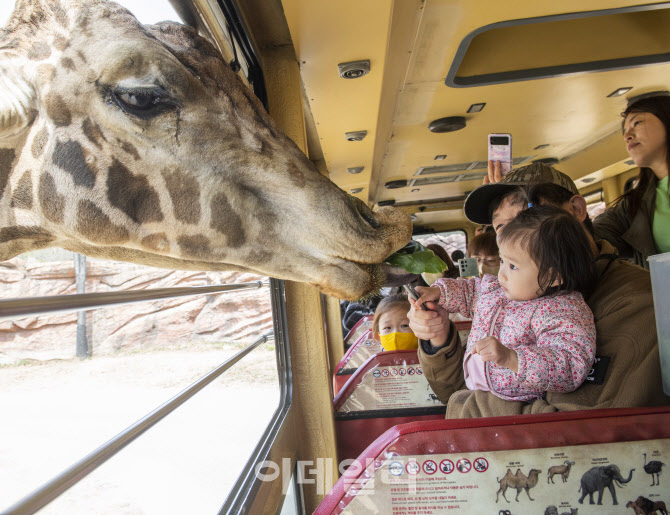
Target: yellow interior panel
{"points": [[412, 46]]}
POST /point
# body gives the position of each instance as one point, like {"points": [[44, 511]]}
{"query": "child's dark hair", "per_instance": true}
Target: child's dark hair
{"points": [[558, 245], [386, 304]]}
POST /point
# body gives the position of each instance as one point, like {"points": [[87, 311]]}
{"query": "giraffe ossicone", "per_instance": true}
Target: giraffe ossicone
{"points": [[138, 143]]}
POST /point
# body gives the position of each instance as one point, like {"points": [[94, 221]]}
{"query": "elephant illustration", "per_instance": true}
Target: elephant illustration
{"points": [[597, 478]]}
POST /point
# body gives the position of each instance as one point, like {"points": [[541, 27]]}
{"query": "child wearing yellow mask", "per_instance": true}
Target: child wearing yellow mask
{"points": [[391, 325]]}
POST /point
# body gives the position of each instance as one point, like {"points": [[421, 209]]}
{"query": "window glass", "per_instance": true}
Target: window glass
{"points": [[450, 240], [57, 408]]}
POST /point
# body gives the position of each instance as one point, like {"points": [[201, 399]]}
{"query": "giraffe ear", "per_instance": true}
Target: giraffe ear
{"points": [[17, 101]]}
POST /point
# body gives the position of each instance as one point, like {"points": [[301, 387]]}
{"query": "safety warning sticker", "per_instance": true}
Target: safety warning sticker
{"points": [[392, 387], [600, 479]]}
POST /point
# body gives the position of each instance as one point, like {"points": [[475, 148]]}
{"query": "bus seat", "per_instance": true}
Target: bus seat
{"points": [[364, 324], [459, 466], [388, 389], [357, 354]]}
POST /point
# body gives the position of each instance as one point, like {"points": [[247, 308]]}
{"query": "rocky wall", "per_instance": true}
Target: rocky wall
{"points": [[229, 317]]}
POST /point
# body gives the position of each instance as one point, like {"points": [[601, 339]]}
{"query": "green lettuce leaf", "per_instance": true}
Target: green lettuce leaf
{"points": [[416, 259]]}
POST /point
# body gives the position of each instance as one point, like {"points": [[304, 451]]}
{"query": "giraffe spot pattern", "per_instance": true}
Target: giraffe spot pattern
{"points": [[39, 143], [19, 232], [67, 63], [52, 202], [132, 194], [60, 42], [57, 110], [157, 242], [92, 132], [185, 194], [39, 51], [130, 149], [97, 227], [7, 157], [23, 195], [70, 157], [227, 222], [296, 176], [194, 246]]}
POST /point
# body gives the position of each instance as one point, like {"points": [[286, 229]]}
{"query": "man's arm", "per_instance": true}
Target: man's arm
{"points": [[441, 352]]}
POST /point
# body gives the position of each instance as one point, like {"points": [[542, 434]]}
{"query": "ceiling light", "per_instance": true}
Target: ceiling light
{"points": [[412, 217], [391, 185], [415, 190], [448, 124], [355, 169], [539, 147], [587, 180], [440, 157], [475, 108], [355, 135], [382, 203], [354, 69], [353, 191], [630, 162], [619, 92]]}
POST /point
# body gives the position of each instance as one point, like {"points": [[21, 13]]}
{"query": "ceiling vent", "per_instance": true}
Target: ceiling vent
{"points": [[392, 185], [430, 181], [382, 203], [353, 191], [355, 135], [549, 161], [354, 69], [461, 167], [355, 169]]}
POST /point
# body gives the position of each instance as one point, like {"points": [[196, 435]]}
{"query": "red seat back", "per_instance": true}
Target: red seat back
{"points": [[388, 389], [364, 324], [461, 466]]}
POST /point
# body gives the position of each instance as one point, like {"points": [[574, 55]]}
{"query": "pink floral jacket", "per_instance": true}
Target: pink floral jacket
{"points": [[554, 336]]}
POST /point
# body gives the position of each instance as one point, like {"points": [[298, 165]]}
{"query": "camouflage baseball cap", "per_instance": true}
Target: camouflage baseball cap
{"points": [[477, 204]]}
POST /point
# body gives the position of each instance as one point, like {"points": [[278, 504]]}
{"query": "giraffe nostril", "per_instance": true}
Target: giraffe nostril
{"points": [[365, 212]]}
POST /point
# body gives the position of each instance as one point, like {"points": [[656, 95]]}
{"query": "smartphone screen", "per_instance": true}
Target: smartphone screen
{"points": [[500, 149]]}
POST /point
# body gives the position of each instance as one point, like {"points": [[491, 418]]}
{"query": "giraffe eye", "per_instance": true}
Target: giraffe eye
{"points": [[144, 103]]}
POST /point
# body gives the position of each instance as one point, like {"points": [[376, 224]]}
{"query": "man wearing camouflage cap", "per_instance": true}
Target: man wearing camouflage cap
{"points": [[627, 369]]}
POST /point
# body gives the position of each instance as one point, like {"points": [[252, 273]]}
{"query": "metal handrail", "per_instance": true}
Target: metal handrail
{"points": [[59, 484], [33, 306]]}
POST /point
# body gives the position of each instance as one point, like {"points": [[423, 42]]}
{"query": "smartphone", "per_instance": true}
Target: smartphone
{"points": [[411, 292], [468, 267], [500, 149]]}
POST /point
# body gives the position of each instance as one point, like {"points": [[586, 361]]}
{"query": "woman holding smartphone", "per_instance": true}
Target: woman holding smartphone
{"points": [[638, 225]]}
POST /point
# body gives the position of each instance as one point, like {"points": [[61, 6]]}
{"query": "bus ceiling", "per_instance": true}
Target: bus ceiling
{"points": [[554, 75]]}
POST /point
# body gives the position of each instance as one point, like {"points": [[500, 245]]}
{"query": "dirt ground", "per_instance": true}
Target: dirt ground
{"points": [[53, 414]]}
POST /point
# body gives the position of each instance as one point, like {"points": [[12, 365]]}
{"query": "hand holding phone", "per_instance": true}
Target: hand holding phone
{"points": [[500, 149], [411, 292]]}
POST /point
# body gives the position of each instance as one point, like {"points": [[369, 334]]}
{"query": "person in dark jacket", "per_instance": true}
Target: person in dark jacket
{"points": [[638, 225]]}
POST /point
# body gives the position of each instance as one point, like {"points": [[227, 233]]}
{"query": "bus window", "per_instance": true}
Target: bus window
{"points": [[450, 240]]}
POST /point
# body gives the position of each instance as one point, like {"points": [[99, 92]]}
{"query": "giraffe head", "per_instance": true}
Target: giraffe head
{"points": [[138, 143]]}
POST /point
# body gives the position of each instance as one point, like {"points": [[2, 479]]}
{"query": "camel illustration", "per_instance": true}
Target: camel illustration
{"points": [[563, 470], [653, 468], [139, 143], [519, 482]]}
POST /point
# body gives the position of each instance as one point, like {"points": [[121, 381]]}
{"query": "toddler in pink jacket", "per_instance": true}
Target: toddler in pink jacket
{"points": [[531, 332]]}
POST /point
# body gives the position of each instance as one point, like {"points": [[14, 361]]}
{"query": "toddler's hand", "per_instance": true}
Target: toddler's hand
{"points": [[490, 349], [428, 294]]}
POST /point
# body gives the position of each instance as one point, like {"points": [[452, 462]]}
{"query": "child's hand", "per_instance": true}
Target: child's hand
{"points": [[428, 294], [490, 349]]}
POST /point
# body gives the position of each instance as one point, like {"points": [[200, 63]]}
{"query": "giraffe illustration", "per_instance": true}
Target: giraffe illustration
{"points": [[139, 143]]}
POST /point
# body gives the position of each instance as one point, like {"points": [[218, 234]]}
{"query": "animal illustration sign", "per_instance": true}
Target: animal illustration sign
{"points": [[139, 143]]}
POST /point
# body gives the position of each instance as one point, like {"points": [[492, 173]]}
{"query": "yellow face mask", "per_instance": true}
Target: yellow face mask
{"points": [[399, 341]]}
